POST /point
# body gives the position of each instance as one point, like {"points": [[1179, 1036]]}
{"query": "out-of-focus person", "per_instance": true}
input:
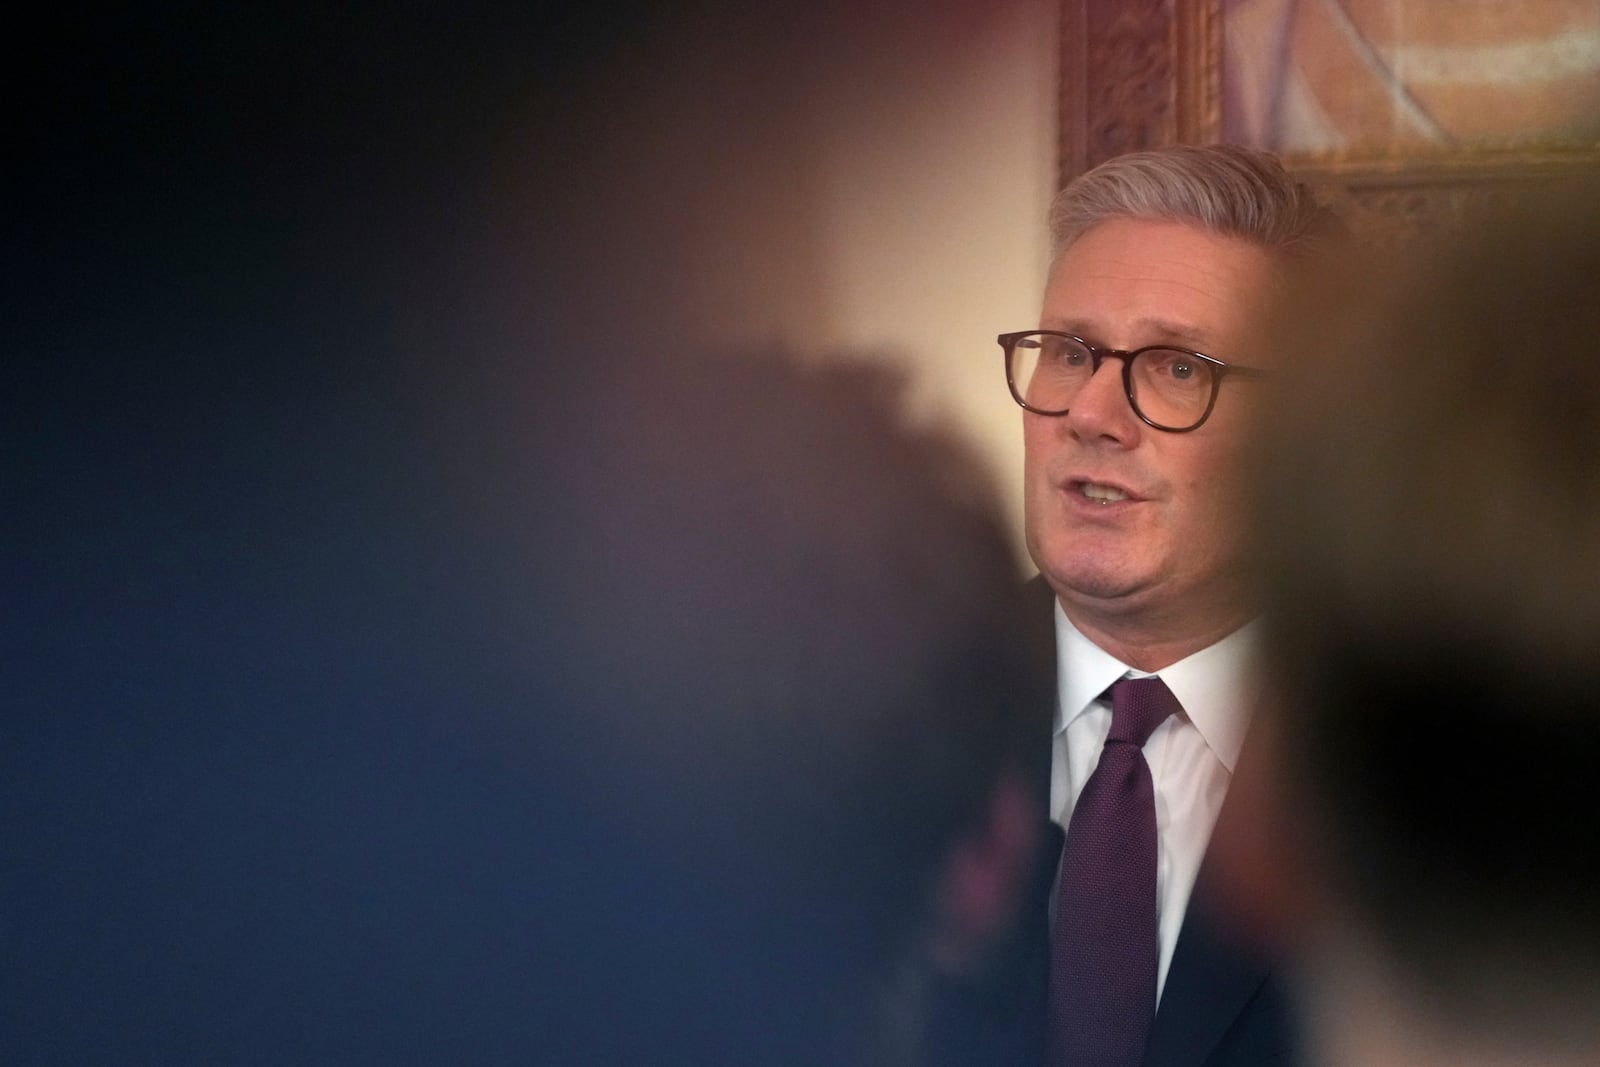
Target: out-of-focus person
{"points": [[682, 727], [1430, 523], [797, 679]]}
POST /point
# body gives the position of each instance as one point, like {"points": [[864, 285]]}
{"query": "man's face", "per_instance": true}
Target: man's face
{"points": [[1129, 523]]}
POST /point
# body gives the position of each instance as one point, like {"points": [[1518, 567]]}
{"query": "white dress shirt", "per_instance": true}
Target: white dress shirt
{"points": [[1191, 757]]}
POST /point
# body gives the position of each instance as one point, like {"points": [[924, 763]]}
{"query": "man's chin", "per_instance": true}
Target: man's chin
{"points": [[1101, 589]]}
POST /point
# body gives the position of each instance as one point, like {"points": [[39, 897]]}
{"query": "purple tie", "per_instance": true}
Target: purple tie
{"points": [[1104, 948]]}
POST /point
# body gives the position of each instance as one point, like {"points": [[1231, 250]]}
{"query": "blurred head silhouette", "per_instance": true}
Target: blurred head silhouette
{"points": [[797, 681], [1430, 510]]}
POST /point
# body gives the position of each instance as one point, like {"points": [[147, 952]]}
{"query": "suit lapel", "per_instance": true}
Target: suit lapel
{"points": [[1032, 975], [1040, 600], [1213, 977], [1210, 983]]}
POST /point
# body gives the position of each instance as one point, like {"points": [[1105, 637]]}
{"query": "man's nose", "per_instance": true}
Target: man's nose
{"points": [[1101, 410]]}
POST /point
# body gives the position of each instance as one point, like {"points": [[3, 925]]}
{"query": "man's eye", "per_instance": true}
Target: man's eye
{"points": [[1181, 371]]}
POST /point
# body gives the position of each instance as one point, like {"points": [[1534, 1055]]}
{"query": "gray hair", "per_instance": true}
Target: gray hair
{"points": [[1221, 188]]}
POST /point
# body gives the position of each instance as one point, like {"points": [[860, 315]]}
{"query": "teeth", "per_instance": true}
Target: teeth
{"points": [[1103, 493]]}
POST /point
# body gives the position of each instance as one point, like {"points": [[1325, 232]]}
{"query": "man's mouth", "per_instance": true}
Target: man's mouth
{"points": [[1103, 494]]}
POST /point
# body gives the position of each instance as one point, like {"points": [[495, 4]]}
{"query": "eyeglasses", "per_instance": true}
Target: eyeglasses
{"points": [[1171, 389]]}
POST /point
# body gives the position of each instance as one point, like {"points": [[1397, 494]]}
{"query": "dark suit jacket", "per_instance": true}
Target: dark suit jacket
{"points": [[1222, 1005]]}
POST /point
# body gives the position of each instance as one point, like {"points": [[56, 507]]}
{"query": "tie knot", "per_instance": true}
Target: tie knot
{"points": [[1138, 706]]}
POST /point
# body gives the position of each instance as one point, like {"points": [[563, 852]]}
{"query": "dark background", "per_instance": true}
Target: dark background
{"points": [[276, 735]]}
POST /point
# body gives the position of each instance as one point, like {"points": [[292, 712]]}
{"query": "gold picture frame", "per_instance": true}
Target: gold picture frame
{"points": [[1138, 74]]}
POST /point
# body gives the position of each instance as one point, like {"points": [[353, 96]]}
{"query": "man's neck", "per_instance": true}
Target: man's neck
{"points": [[1150, 648]]}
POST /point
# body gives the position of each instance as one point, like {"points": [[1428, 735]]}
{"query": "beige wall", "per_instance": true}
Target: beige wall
{"points": [[932, 210], [868, 178]]}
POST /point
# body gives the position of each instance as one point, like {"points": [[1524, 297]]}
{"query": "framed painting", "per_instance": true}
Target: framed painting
{"points": [[1411, 109]]}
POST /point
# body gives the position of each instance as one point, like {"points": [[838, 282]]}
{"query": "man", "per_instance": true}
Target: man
{"points": [[1432, 493], [1136, 390]]}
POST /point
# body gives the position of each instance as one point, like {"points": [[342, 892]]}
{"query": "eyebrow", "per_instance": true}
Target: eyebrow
{"points": [[1158, 331]]}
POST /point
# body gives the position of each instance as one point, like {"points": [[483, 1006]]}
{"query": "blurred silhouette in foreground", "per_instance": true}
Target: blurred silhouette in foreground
{"points": [[664, 713], [1431, 518], [797, 681], [398, 671]]}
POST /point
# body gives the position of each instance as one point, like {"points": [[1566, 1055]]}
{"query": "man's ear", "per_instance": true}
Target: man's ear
{"points": [[984, 878]]}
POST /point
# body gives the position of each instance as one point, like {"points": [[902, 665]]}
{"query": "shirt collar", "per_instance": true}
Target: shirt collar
{"points": [[1215, 685]]}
